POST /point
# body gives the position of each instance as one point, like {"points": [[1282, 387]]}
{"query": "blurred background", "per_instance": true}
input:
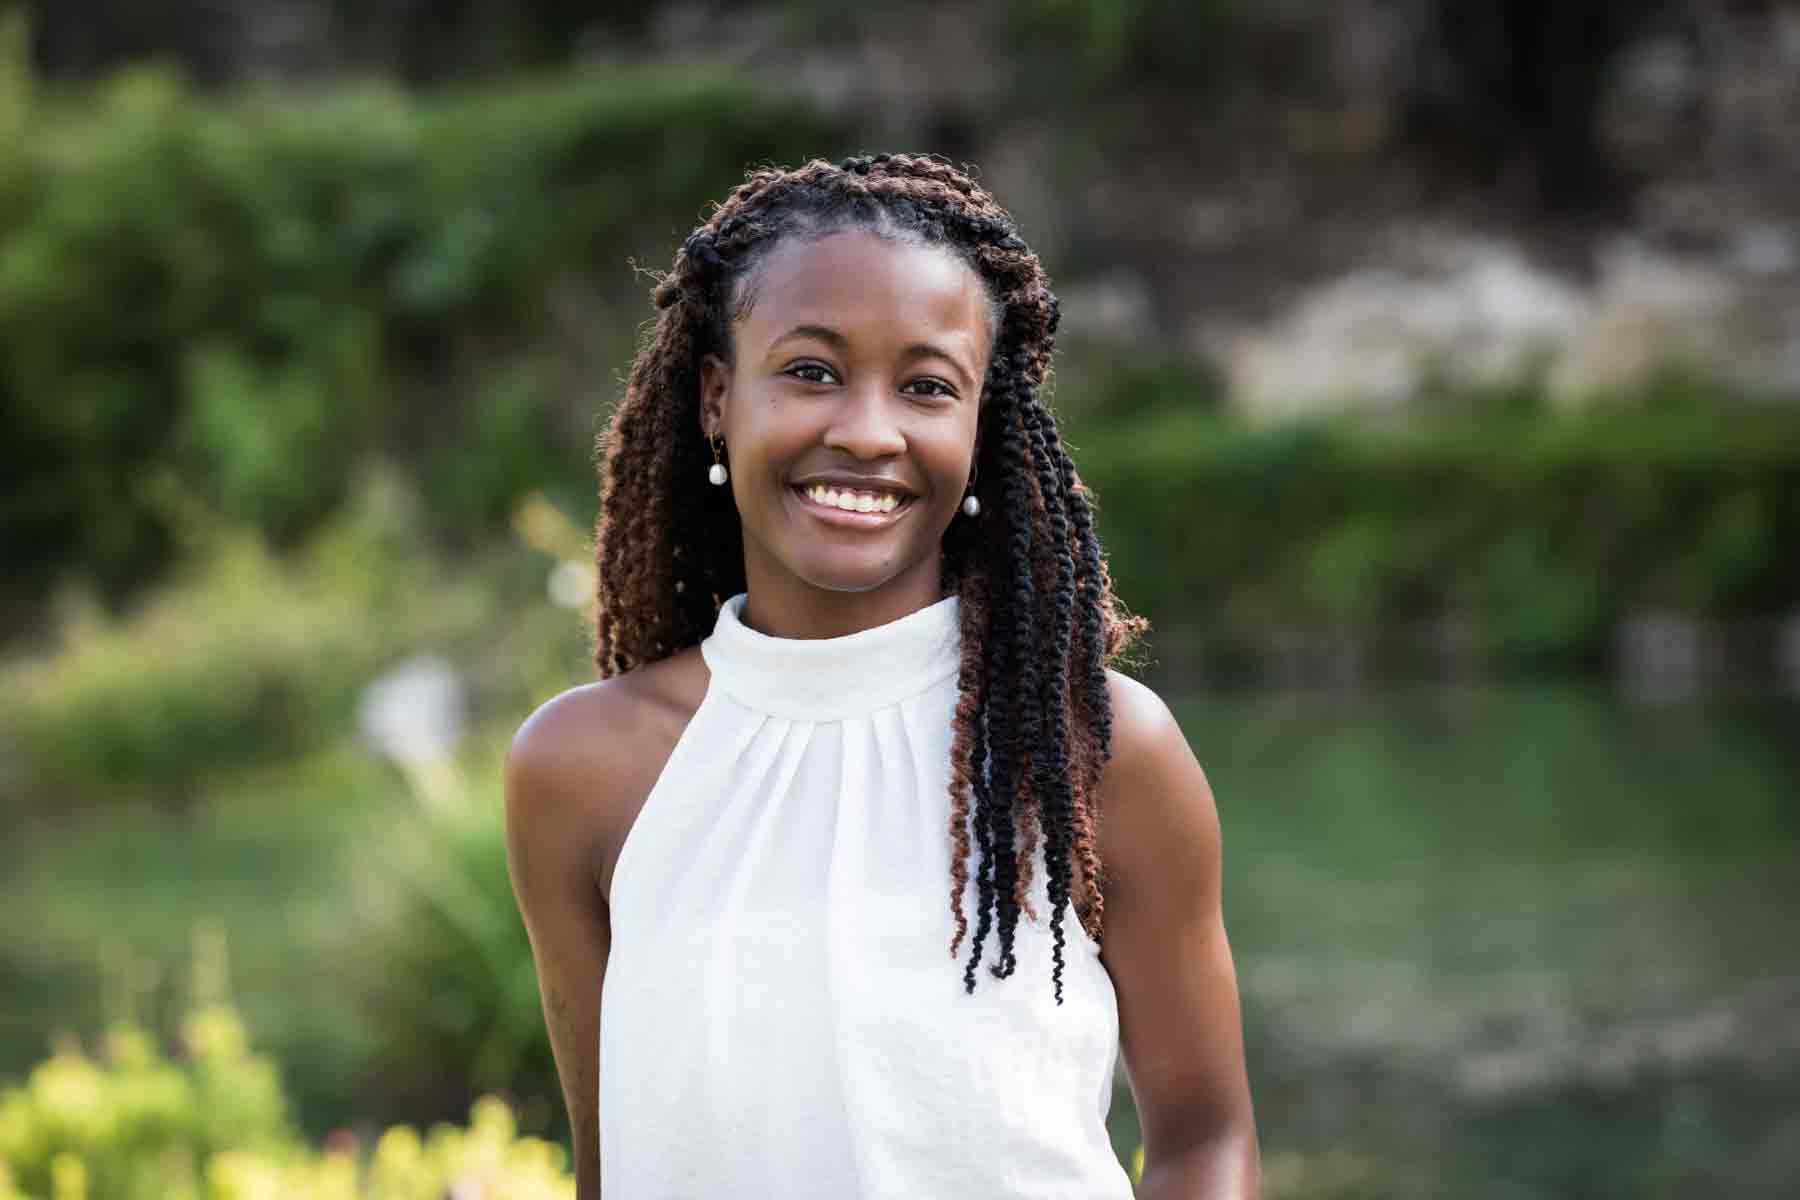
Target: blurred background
{"points": [[1437, 367]]}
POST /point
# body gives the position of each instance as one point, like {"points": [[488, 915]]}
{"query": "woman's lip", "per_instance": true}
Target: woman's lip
{"points": [[847, 519]]}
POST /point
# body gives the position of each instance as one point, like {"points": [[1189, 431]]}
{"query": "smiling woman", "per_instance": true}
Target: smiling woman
{"points": [[856, 711]]}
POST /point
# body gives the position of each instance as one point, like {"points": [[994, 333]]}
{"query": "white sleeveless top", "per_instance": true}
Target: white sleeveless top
{"points": [[780, 1014]]}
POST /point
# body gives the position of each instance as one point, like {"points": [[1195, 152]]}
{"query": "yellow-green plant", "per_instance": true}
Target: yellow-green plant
{"points": [[129, 1123], [487, 1159]]}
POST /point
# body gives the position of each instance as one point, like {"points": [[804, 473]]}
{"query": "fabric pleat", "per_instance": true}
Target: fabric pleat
{"points": [[780, 1015]]}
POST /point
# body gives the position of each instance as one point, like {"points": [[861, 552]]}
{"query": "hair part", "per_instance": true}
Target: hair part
{"points": [[1040, 622]]}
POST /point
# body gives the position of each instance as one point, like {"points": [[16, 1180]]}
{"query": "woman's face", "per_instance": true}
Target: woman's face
{"points": [[859, 368]]}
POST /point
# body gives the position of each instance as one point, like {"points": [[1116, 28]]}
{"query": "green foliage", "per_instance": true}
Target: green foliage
{"points": [[249, 659], [244, 658], [1097, 387], [132, 1124], [240, 659], [137, 1124], [440, 964], [475, 480], [230, 301], [15, 76], [1541, 530], [244, 662]]}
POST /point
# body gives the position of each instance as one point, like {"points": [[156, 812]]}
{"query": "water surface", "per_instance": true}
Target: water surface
{"points": [[1513, 941]]}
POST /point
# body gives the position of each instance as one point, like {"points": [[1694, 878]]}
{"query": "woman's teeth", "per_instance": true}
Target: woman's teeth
{"points": [[853, 501]]}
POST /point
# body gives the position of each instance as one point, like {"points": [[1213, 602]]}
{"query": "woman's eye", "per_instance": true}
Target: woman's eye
{"points": [[802, 372], [938, 387]]}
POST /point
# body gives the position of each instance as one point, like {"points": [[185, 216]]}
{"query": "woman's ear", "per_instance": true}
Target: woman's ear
{"points": [[715, 385]]}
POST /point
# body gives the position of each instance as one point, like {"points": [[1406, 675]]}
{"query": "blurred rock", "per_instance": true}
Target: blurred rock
{"points": [[1765, 250], [1464, 309], [1118, 307]]}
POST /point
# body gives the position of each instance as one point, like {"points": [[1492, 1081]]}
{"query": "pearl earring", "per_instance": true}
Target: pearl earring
{"points": [[717, 475], [970, 505]]}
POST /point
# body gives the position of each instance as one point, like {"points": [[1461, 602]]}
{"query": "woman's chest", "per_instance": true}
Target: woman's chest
{"points": [[779, 1014]]}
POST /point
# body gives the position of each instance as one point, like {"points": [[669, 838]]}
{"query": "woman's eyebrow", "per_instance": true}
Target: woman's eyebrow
{"points": [[838, 341], [822, 332], [927, 350]]}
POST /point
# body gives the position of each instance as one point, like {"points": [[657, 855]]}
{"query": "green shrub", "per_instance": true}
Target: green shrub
{"points": [[131, 1124], [138, 1124], [1541, 530], [439, 962], [241, 659], [232, 299], [247, 659]]}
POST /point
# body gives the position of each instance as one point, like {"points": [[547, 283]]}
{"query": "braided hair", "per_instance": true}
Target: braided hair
{"points": [[1032, 729]]}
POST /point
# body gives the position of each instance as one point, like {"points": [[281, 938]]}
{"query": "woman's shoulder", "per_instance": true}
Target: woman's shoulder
{"points": [[586, 758], [1145, 733], [1154, 794], [1138, 711], [601, 721]]}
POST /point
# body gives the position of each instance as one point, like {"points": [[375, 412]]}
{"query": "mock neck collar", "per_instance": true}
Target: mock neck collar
{"points": [[828, 679]]}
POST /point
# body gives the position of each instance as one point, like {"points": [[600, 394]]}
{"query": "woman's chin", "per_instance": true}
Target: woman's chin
{"points": [[842, 573]]}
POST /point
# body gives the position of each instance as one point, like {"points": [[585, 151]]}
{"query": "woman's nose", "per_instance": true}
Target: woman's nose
{"points": [[864, 424]]}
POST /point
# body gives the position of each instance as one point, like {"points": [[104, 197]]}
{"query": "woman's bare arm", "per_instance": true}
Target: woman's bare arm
{"points": [[1165, 947], [552, 827]]}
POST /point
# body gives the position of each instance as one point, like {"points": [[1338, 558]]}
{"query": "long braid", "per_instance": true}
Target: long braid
{"points": [[1032, 727], [1053, 778], [1022, 723], [997, 733], [968, 753], [1089, 652]]}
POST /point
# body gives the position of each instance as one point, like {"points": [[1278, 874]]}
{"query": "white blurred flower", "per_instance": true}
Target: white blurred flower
{"points": [[414, 712], [571, 583]]}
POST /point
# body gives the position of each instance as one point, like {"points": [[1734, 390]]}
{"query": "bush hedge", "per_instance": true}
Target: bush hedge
{"points": [[436, 959], [231, 299], [1535, 530], [244, 658]]}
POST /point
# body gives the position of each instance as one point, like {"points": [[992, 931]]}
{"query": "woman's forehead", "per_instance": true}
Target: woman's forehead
{"points": [[859, 281]]}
